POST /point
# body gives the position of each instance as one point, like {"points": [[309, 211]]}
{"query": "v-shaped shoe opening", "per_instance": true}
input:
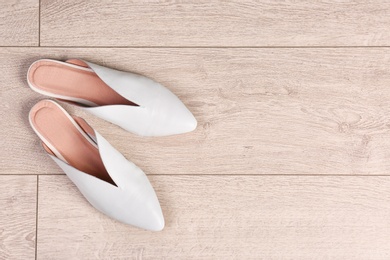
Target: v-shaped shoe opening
{"points": [[70, 139]]}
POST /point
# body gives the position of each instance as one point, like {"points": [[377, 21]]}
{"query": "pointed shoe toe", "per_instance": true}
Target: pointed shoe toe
{"points": [[183, 122], [151, 218]]}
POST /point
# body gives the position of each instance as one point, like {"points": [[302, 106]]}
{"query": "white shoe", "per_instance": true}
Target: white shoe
{"points": [[111, 183], [134, 102]]}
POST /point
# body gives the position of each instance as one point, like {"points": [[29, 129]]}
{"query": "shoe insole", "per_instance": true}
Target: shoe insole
{"points": [[66, 139], [73, 81]]}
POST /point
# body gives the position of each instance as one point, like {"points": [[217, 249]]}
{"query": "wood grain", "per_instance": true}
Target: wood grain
{"points": [[281, 165], [19, 23], [17, 217], [227, 217], [259, 111], [215, 23]]}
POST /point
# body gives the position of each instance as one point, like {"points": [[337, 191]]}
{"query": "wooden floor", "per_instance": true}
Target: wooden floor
{"points": [[291, 157]]}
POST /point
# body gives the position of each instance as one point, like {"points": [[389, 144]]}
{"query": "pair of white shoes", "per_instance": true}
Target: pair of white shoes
{"points": [[111, 183]]}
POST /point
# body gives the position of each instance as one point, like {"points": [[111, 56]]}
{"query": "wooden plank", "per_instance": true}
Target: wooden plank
{"points": [[215, 23], [227, 217], [259, 111], [17, 217], [19, 25]]}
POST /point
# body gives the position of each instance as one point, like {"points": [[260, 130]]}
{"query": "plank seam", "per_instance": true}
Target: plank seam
{"points": [[39, 23], [259, 175], [194, 47], [36, 220]]}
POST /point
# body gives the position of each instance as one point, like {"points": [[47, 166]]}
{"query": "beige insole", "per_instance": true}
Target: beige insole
{"points": [[73, 82], [58, 131]]}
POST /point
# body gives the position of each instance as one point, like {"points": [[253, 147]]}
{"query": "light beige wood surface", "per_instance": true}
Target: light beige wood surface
{"points": [[17, 217], [19, 22], [260, 111], [291, 156], [227, 217], [215, 23]]}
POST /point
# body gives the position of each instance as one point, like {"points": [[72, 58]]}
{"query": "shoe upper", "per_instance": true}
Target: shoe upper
{"points": [[159, 111], [133, 201]]}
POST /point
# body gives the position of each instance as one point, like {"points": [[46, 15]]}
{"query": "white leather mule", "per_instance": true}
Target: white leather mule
{"points": [[134, 102], [111, 183]]}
